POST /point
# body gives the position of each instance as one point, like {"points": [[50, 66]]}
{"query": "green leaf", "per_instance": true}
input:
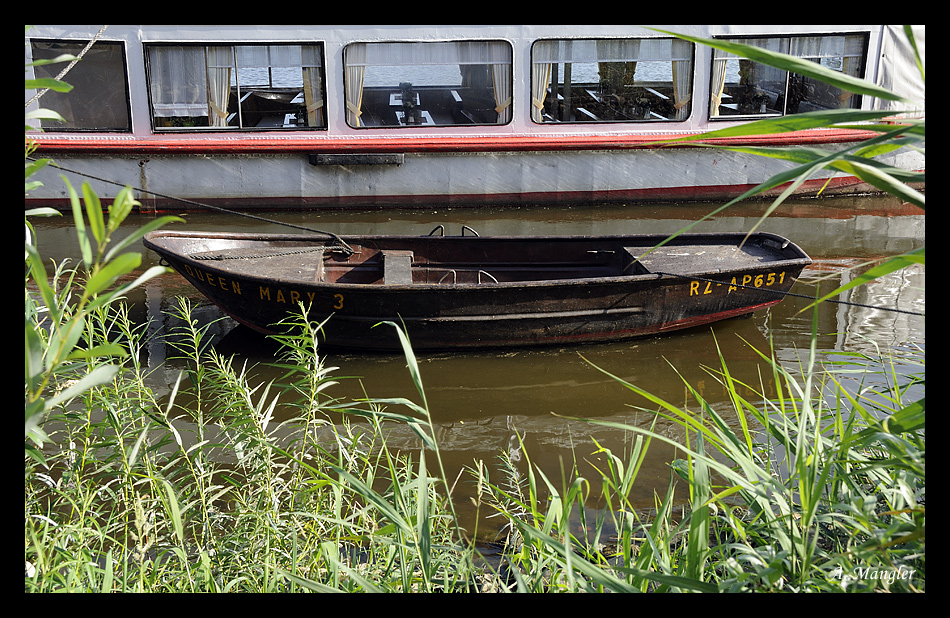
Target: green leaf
{"points": [[413, 423], [152, 272], [120, 265], [41, 279], [48, 82], [43, 212], [373, 497], [43, 114], [885, 179], [909, 32], [411, 359], [80, 223], [794, 122], [121, 207], [35, 410], [174, 512], [94, 212], [698, 541], [35, 166], [33, 369], [99, 375], [134, 453], [907, 419], [317, 586], [56, 60], [680, 467], [99, 351]]}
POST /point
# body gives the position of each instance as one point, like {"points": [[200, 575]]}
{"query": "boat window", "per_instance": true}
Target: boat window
{"points": [[244, 87], [741, 87], [427, 83], [611, 80], [99, 100]]}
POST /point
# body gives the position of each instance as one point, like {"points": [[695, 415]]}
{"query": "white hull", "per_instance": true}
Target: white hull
{"points": [[521, 160], [291, 181]]}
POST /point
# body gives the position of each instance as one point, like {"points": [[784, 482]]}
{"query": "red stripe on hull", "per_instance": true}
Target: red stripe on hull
{"points": [[245, 144]]}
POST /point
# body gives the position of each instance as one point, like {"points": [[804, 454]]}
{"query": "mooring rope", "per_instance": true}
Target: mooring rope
{"points": [[783, 294], [347, 249]]}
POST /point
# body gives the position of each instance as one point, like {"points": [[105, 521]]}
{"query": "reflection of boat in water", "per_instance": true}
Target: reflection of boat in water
{"points": [[478, 292], [299, 117], [473, 387], [492, 401]]}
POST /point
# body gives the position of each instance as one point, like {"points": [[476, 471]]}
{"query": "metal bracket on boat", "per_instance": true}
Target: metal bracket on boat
{"points": [[487, 274], [441, 230], [455, 276]]}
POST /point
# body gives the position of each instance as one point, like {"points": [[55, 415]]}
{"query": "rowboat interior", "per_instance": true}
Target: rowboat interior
{"points": [[396, 260]]}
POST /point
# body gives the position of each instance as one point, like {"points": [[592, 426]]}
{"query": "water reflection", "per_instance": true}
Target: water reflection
{"points": [[482, 402]]}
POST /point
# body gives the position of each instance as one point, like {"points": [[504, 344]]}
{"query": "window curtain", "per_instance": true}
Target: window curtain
{"points": [[178, 81], [499, 58], [312, 87], [501, 82], [355, 70], [540, 76], [220, 61], [718, 84], [682, 77]]}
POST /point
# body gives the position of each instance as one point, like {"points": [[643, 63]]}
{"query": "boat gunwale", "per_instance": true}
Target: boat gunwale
{"points": [[802, 261]]}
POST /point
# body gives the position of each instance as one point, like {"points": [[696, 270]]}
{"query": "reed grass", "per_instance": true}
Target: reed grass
{"points": [[818, 489]]}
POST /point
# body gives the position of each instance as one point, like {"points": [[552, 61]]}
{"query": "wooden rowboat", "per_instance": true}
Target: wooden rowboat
{"points": [[470, 292]]}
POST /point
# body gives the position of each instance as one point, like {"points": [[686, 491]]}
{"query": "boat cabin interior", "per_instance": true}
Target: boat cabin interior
{"points": [[409, 105]]}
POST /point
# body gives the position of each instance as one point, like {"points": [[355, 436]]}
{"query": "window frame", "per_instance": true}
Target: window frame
{"points": [[856, 104], [688, 101], [509, 103], [232, 45], [81, 43]]}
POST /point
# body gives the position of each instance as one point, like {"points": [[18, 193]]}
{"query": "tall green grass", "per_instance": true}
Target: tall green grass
{"points": [[818, 489]]}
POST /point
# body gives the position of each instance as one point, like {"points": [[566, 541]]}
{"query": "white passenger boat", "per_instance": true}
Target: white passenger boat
{"points": [[373, 116]]}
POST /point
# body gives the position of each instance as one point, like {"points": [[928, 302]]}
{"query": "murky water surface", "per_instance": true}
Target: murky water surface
{"points": [[482, 402]]}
